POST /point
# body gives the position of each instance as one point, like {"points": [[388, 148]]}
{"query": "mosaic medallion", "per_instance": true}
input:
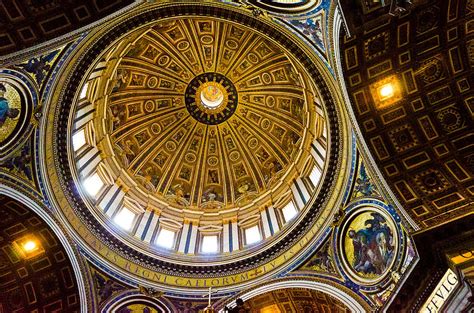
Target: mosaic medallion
{"points": [[369, 244], [211, 98], [15, 112], [10, 106]]}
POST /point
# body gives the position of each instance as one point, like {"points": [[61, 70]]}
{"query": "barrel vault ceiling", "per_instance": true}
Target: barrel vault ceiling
{"points": [[421, 138], [26, 23], [44, 282]]}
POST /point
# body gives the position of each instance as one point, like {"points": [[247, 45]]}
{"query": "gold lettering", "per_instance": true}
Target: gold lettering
{"points": [[434, 303], [156, 276], [114, 257], [447, 290], [455, 279], [440, 294]]}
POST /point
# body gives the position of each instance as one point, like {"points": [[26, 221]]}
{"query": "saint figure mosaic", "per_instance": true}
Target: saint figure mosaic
{"points": [[369, 244]]}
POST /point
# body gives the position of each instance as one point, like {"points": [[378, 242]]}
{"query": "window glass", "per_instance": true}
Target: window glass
{"points": [[125, 218], [165, 238], [78, 140], [289, 211], [315, 176], [209, 244], [93, 184], [252, 235], [84, 91]]}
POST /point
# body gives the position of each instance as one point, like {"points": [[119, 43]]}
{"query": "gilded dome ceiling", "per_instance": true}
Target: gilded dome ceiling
{"points": [[198, 121], [205, 115], [195, 144]]}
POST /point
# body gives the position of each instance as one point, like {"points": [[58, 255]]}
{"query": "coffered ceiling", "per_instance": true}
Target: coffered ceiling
{"points": [[40, 281], [295, 300], [421, 136], [25, 23]]}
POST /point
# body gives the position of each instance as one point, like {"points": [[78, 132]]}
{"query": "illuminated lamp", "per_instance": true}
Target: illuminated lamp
{"points": [[386, 91], [270, 309], [28, 247]]}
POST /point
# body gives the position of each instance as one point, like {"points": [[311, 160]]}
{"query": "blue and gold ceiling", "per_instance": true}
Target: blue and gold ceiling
{"points": [[225, 122]]}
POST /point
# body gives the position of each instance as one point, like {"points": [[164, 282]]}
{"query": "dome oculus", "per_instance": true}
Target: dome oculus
{"points": [[211, 98]]}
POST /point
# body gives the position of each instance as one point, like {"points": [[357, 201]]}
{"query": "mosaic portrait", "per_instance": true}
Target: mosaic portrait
{"points": [[10, 106], [16, 106], [369, 244]]}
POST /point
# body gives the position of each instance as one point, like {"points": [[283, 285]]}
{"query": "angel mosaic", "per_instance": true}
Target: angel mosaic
{"points": [[312, 28], [106, 286], [321, 261], [39, 67], [364, 185]]}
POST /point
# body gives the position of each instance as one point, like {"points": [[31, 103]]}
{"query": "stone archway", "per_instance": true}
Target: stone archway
{"points": [[49, 280], [317, 291]]}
